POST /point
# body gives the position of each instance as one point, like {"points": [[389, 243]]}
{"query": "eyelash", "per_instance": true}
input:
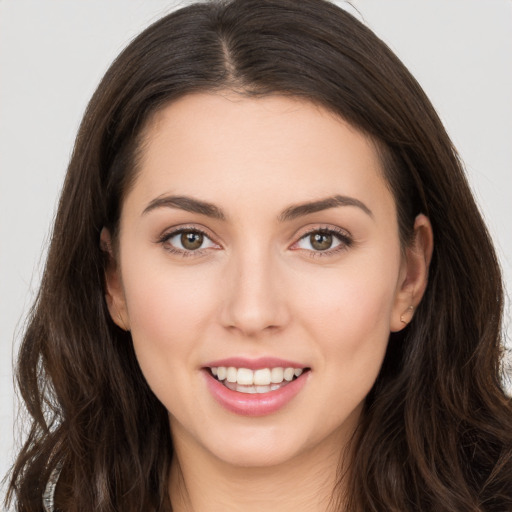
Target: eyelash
{"points": [[164, 240], [345, 241]]}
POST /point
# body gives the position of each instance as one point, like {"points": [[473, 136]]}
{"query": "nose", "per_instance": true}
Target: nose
{"points": [[254, 295]]}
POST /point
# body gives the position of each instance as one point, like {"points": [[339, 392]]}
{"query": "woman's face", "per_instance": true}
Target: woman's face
{"points": [[259, 235]]}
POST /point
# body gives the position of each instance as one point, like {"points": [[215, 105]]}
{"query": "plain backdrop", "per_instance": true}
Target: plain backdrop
{"points": [[54, 52]]}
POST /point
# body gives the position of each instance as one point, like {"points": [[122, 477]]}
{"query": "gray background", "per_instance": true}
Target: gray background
{"points": [[54, 52]]}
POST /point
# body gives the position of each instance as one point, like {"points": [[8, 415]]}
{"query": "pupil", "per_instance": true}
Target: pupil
{"points": [[191, 240], [321, 241]]}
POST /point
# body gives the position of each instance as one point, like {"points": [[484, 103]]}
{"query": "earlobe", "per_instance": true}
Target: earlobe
{"points": [[414, 278], [114, 293], [404, 317]]}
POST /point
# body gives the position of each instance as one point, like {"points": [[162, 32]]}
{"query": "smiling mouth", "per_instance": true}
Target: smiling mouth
{"points": [[262, 380]]}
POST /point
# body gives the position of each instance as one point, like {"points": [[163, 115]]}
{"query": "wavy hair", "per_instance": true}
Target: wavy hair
{"points": [[436, 431]]}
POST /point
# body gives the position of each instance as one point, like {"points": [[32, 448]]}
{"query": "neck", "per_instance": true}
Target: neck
{"points": [[200, 482]]}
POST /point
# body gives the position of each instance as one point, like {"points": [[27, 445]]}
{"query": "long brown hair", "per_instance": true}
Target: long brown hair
{"points": [[436, 432]]}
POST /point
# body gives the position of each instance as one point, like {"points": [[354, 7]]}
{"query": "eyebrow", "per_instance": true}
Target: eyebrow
{"points": [[186, 203], [192, 205], [302, 209]]}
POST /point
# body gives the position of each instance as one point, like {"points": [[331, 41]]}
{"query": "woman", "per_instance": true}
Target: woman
{"points": [[265, 286]]}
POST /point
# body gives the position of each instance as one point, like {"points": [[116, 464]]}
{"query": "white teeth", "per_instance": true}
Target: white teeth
{"points": [[244, 376], [276, 375], [288, 374], [231, 374], [261, 377], [253, 389], [261, 380]]}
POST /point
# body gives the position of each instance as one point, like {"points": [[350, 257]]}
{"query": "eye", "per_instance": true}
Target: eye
{"points": [[323, 240], [187, 240]]}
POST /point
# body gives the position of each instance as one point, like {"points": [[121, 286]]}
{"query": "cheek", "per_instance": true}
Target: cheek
{"points": [[354, 335], [167, 309], [167, 303], [348, 311], [350, 326], [351, 300]]}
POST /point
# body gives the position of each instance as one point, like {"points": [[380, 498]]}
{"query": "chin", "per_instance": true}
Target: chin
{"points": [[252, 448]]}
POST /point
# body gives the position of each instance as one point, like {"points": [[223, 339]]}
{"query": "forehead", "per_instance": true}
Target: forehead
{"points": [[225, 145]]}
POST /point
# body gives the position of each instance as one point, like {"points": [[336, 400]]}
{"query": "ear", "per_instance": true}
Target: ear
{"points": [[114, 292], [413, 274]]}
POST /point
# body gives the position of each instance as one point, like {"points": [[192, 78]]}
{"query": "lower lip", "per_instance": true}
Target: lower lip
{"points": [[257, 404]]}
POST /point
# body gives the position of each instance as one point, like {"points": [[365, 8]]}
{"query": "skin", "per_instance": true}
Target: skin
{"points": [[257, 287]]}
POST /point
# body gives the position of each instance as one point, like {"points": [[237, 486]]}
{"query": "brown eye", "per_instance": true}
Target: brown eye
{"points": [[187, 241], [191, 240], [321, 241], [326, 241]]}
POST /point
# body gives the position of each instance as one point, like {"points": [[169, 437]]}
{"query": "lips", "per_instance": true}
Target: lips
{"points": [[255, 387]]}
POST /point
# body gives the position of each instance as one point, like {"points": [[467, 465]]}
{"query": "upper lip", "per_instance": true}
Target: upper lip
{"points": [[254, 364]]}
